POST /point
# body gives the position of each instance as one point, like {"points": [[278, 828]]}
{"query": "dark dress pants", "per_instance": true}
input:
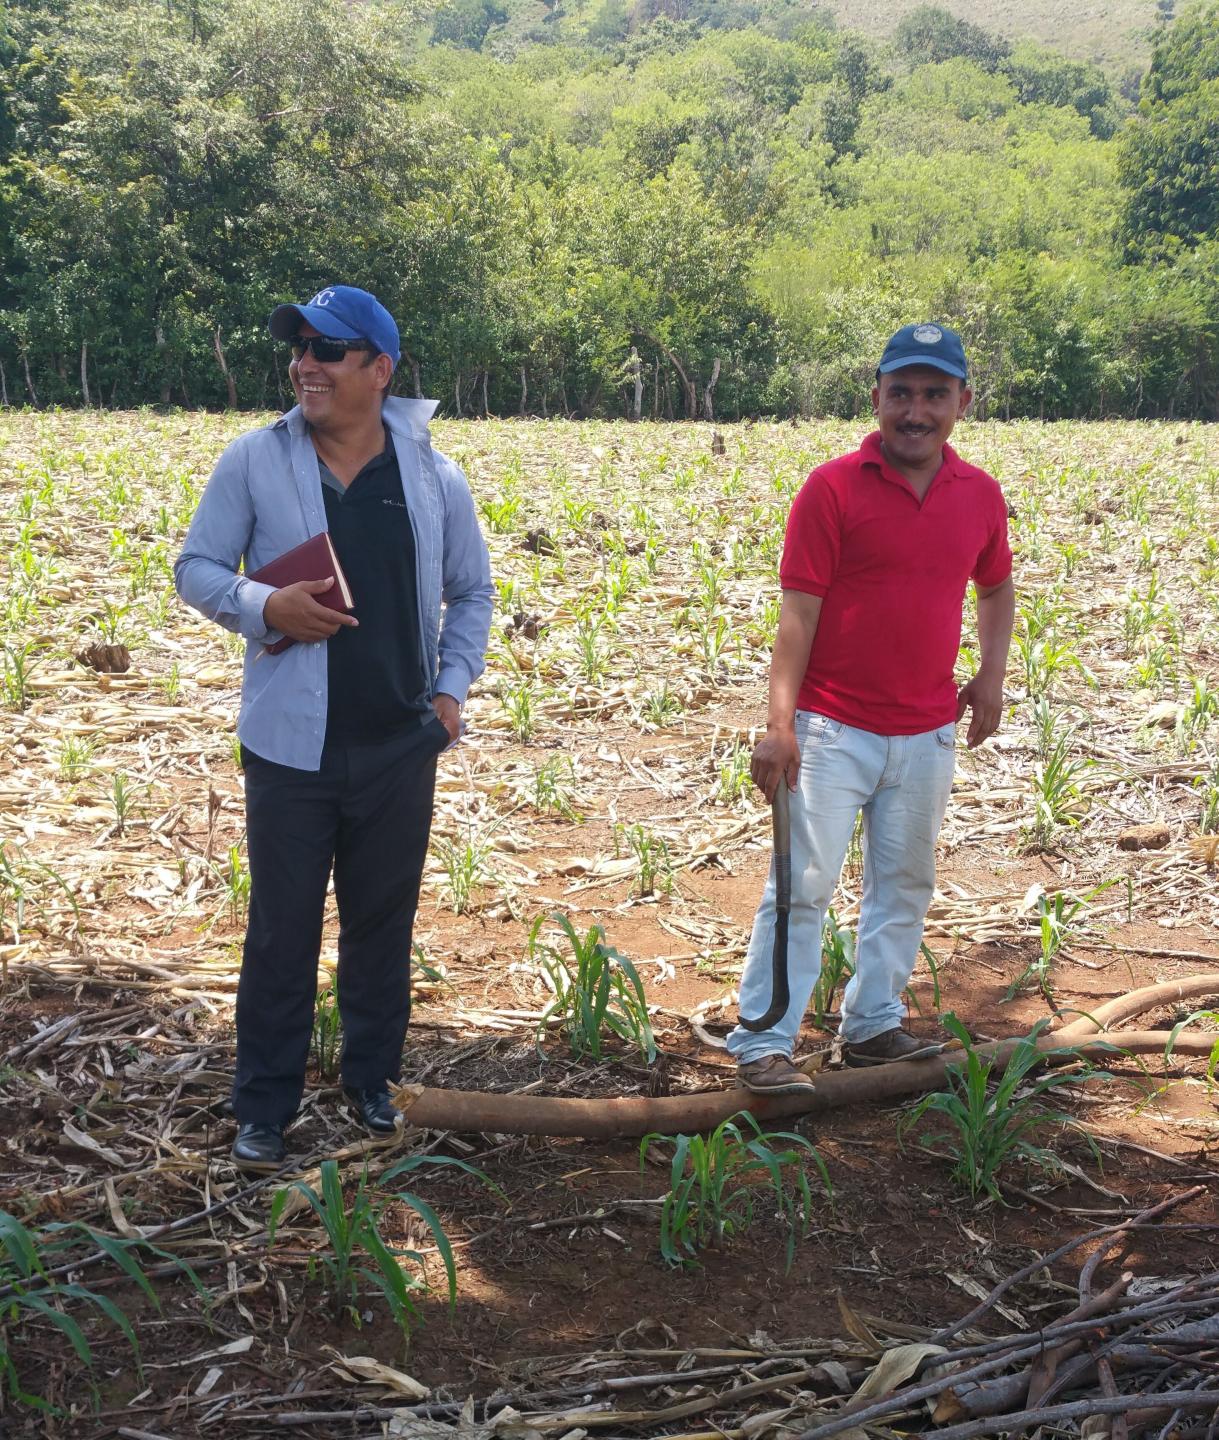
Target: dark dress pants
{"points": [[367, 812]]}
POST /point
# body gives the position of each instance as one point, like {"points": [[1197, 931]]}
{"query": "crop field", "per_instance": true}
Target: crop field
{"points": [[596, 857]]}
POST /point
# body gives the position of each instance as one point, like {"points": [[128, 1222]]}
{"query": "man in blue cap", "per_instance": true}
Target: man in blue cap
{"points": [[880, 547], [339, 731]]}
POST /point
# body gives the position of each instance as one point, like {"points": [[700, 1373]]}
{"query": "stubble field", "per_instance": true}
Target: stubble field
{"points": [[604, 779]]}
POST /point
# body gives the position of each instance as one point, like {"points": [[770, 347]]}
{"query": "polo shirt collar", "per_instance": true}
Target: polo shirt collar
{"points": [[870, 453]]}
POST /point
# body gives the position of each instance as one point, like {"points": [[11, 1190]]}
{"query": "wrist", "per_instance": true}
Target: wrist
{"points": [[781, 724]]}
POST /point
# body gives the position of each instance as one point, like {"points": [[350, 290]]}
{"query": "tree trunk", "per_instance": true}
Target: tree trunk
{"points": [[3, 386], [29, 379], [656, 390], [224, 369], [688, 389], [165, 387], [84, 371], [279, 381], [486, 407], [457, 394], [708, 407], [416, 381], [524, 392], [636, 369]]}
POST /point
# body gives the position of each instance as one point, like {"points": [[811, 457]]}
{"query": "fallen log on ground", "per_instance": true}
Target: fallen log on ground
{"points": [[614, 1118]]}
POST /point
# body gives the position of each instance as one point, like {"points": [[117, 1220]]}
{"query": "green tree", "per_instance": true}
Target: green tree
{"points": [[1169, 159]]}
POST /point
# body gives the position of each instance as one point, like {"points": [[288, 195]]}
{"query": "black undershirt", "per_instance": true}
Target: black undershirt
{"points": [[375, 670]]}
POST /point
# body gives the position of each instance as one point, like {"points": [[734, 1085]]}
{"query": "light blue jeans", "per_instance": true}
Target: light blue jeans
{"points": [[901, 785]]}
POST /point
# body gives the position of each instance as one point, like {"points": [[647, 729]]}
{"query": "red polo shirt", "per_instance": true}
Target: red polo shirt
{"points": [[891, 571]]}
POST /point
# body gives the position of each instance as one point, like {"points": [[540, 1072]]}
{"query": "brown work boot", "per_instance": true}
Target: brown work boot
{"points": [[888, 1046], [772, 1075]]}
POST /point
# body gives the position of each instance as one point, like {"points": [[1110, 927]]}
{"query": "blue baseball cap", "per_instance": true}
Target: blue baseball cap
{"points": [[340, 312], [925, 344]]}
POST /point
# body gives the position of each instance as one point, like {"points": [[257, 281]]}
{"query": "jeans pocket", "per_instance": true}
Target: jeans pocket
{"points": [[946, 737], [818, 730]]}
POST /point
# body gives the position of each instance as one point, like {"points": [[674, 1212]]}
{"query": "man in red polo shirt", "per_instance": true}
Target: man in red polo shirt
{"points": [[880, 547]]}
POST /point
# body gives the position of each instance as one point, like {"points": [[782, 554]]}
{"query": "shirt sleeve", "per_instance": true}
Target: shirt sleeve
{"points": [[206, 572], [814, 538], [994, 563], [467, 591]]}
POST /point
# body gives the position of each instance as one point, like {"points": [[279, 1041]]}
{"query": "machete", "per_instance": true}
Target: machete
{"points": [[780, 992]]}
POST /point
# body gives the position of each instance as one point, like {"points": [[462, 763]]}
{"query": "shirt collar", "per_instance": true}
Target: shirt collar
{"points": [[870, 453]]}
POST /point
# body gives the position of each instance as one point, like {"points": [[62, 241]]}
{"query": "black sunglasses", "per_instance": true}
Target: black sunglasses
{"points": [[325, 350]]}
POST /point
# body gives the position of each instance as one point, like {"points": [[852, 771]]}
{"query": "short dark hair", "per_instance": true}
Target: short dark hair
{"points": [[370, 356]]}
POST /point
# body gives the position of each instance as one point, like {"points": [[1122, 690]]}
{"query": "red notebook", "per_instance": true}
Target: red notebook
{"points": [[313, 560]]}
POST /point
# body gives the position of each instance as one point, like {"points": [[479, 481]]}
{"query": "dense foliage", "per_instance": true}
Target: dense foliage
{"points": [[684, 207]]}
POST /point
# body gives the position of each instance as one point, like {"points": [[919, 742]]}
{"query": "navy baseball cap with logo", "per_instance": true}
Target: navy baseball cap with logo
{"points": [[925, 344], [340, 312]]}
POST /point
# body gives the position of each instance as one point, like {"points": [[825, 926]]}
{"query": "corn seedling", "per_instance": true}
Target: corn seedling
{"points": [[1059, 918], [75, 757], [1208, 820], [597, 992], [1200, 709], [30, 1288], [171, 685], [500, 513], [1212, 1064], [660, 706], [553, 784], [236, 886], [911, 997], [466, 867], [23, 883], [989, 1128], [327, 1037], [714, 636], [122, 799], [735, 782], [517, 699], [652, 853], [15, 670], [593, 658], [837, 967], [356, 1254], [108, 619], [713, 1191], [1056, 791]]}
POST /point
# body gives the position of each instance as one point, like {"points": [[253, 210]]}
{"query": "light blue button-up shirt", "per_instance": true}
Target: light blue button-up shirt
{"points": [[264, 497]]}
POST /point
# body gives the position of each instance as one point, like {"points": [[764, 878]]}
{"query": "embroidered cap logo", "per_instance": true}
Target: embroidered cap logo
{"points": [[928, 334]]}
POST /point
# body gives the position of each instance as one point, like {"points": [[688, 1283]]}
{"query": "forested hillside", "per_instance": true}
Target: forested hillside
{"points": [[672, 207]]}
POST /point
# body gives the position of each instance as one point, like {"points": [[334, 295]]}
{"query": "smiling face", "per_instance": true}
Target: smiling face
{"points": [[339, 396], [916, 408]]}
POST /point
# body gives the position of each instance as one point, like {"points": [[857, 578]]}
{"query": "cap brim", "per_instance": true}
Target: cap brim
{"points": [[933, 361], [285, 322]]}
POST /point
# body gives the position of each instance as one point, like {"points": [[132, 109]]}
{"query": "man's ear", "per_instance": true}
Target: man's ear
{"points": [[967, 396], [875, 399]]}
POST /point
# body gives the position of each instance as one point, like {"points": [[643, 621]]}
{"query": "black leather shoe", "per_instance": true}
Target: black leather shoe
{"points": [[259, 1147], [375, 1109]]}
